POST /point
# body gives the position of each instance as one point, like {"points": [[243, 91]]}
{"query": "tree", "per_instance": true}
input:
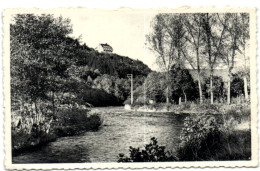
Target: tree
{"points": [[213, 35], [182, 84], [233, 24], [154, 86], [244, 17], [193, 24], [165, 41], [38, 52]]}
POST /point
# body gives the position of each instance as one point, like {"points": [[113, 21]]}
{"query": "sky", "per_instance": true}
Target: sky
{"points": [[124, 31]]}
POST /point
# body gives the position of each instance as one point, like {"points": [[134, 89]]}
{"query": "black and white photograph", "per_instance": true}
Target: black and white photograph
{"points": [[131, 86]]}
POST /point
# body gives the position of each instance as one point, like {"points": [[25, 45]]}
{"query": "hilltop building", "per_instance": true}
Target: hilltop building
{"points": [[105, 48]]}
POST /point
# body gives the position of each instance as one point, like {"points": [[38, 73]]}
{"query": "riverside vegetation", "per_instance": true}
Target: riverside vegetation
{"points": [[203, 137], [30, 130]]}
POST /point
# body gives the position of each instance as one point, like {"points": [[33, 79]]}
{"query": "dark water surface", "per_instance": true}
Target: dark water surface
{"points": [[120, 129]]}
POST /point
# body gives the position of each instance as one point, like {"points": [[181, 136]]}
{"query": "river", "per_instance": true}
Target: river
{"points": [[120, 129]]}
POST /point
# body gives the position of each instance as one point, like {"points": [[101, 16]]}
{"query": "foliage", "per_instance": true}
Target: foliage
{"points": [[201, 41], [208, 137], [112, 64], [75, 121], [237, 87], [182, 84], [30, 129], [218, 88], [152, 153], [38, 54], [155, 87], [166, 39]]}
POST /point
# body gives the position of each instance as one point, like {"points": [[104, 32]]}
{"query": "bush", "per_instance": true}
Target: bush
{"points": [[206, 137], [152, 153], [75, 121], [29, 129], [94, 122]]}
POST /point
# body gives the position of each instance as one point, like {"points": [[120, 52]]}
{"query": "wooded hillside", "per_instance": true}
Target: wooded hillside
{"points": [[50, 67]]}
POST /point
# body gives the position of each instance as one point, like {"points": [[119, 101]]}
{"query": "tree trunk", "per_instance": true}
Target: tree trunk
{"points": [[167, 91], [245, 88], [179, 100], [36, 111], [167, 97], [200, 90], [228, 91], [185, 97], [53, 104], [211, 90]]}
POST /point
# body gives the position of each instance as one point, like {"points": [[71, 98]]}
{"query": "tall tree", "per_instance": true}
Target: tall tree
{"points": [[38, 52], [231, 44], [166, 40], [244, 17], [213, 36], [193, 25], [162, 44]]}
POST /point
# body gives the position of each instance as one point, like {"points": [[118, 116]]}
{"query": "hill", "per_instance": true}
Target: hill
{"points": [[109, 63], [48, 66]]}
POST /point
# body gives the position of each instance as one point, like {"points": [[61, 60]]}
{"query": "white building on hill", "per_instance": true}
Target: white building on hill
{"points": [[105, 48]]}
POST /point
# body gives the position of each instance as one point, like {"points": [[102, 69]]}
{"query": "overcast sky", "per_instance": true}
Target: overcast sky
{"points": [[124, 31]]}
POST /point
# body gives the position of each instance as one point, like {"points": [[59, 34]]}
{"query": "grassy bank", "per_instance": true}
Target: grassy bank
{"points": [[204, 137], [30, 130]]}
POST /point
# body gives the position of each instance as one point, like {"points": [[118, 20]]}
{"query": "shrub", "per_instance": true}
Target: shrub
{"points": [[75, 121], [206, 137], [94, 122], [152, 153], [29, 129]]}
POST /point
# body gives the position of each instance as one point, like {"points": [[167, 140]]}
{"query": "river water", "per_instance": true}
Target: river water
{"points": [[120, 129]]}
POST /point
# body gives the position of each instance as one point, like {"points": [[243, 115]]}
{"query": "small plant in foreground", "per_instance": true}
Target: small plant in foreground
{"points": [[152, 153]]}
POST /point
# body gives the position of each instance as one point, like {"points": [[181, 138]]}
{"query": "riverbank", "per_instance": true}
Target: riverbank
{"points": [[204, 136], [122, 128], [192, 108], [119, 130], [32, 131]]}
